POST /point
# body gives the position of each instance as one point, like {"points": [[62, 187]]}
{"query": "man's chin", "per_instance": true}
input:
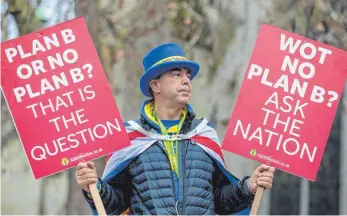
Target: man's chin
{"points": [[183, 100]]}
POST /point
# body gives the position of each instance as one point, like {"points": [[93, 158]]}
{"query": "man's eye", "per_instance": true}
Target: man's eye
{"points": [[176, 74]]}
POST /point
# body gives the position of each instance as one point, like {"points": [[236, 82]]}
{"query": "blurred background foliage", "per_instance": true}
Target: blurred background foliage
{"points": [[220, 35]]}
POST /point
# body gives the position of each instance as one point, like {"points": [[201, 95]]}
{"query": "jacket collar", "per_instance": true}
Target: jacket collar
{"points": [[148, 124]]}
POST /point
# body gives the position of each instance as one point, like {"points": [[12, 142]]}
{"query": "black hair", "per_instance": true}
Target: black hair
{"points": [[151, 92]]}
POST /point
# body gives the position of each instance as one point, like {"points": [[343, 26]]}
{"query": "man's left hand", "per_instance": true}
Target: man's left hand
{"points": [[262, 176]]}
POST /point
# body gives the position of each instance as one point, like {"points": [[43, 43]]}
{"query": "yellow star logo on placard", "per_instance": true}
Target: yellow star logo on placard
{"points": [[253, 152], [64, 161]]}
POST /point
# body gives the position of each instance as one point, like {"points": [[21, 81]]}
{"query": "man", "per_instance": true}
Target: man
{"points": [[174, 164]]}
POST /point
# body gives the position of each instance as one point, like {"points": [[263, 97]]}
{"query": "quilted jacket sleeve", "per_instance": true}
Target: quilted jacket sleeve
{"points": [[230, 198], [114, 194]]}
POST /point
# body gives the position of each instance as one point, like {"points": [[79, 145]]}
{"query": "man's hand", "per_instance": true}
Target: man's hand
{"points": [[262, 176], [86, 175]]}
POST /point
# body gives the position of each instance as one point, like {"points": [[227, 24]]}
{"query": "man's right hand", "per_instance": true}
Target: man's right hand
{"points": [[86, 174]]}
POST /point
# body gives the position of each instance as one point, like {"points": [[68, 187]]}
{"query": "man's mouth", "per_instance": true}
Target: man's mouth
{"points": [[184, 90]]}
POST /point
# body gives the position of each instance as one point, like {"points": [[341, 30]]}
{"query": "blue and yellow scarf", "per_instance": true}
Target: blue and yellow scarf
{"points": [[171, 146]]}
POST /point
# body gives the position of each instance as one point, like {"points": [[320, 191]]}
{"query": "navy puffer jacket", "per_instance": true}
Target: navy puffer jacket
{"points": [[148, 186]]}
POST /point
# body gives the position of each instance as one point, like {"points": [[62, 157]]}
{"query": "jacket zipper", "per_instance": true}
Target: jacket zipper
{"points": [[184, 149], [172, 176]]}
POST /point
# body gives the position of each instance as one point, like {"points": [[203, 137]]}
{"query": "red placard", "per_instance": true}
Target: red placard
{"points": [[287, 102], [59, 98]]}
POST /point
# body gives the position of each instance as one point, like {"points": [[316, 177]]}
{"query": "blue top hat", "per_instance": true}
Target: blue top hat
{"points": [[162, 59]]}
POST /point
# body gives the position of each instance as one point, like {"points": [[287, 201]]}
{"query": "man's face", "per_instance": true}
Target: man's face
{"points": [[174, 85]]}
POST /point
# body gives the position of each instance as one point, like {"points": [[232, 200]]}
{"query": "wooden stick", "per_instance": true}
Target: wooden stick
{"points": [[256, 201], [97, 199]]}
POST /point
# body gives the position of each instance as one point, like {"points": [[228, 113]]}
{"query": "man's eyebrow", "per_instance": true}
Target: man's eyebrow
{"points": [[188, 72], [181, 70]]}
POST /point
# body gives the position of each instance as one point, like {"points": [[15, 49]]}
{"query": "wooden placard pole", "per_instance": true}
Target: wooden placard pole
{"points": [[257, 199], [97, 199]]}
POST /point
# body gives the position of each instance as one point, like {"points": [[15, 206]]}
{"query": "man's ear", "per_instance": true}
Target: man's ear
{"points": [[155, 86]]}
